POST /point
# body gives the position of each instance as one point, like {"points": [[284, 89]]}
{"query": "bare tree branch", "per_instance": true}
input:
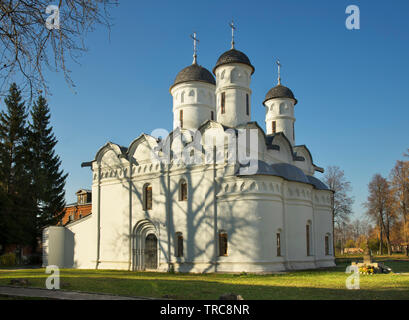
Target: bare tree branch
{"points": [[28, 47]]}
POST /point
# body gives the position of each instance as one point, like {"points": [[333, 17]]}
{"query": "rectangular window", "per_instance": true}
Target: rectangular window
{"points": [[181, 118], [247, 105], [273, 126], [223, 102], [183, 191], [148, 199], [278, 244], [179, 249], [326, 245], [308, 239], [223, 243], [212, 115]]}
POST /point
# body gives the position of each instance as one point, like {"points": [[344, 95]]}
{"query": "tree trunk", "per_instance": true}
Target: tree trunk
{"points": [[380, 241]]}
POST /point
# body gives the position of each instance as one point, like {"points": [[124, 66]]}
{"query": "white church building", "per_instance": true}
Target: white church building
{"points": [[218, 194]]}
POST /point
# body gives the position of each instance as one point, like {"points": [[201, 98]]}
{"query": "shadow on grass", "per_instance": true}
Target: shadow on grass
{"points": [[323, 284], [275, 287]]}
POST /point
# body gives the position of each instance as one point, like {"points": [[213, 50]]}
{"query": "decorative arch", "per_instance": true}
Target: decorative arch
{"points": [[144, 256], [109, 146], [141, 148], [236, 75], [282, 108]]}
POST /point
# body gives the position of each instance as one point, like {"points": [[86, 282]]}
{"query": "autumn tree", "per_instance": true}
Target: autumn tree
{"points": [[400, 189], [380, 208]]}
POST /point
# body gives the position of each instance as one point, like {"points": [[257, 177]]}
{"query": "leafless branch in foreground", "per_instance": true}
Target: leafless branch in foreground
{"points": [[27, 46]]}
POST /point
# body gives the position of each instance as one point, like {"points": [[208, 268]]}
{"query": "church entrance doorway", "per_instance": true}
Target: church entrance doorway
{"points": [[151, 252], [145, 246]]}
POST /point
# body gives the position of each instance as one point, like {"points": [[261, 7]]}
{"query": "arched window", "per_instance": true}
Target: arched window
{"points": [[179, 245], [211, 115], [147, 197], [181, 118], [223, 240], [182, 190], [278, 243]]}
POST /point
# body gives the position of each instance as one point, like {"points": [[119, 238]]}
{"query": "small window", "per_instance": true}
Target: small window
{"points": [[147, 197], [223, 102], [181, 118], [211, 115], [179, 244], [247, 104], [308, 230], [223, 243], [183, 191], [327, 245], [278, 244], [273, 126]]}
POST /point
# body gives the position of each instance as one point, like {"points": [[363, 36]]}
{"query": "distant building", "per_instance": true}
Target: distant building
{"points": [[78, 210]]}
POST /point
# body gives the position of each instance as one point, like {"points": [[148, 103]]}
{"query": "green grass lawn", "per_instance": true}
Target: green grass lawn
{"points": [[315, 284]]}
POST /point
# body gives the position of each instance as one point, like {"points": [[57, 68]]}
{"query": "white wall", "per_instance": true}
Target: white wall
{"points": [[281, 110], [234, 80], [80, 244], [197, 100]]}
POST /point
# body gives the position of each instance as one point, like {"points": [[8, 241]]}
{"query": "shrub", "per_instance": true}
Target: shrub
{"points": [[8, 260]]}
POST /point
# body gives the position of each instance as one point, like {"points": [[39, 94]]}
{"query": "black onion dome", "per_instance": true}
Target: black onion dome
{"points": [[233, 56], [194, 72], [280, 91]]}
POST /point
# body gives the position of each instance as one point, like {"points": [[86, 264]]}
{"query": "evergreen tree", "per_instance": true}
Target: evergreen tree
{"points": [[18, 213], [48, 178]]}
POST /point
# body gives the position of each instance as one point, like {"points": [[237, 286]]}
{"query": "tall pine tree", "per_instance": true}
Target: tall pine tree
{"points": [[19, 211], [48, 178]]}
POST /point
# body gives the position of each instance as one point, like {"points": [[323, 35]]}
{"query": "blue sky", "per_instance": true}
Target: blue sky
{"points": [[352, 86]]}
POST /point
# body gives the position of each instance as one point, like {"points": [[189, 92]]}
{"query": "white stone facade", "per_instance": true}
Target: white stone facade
{"points": [[264, 217]]}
